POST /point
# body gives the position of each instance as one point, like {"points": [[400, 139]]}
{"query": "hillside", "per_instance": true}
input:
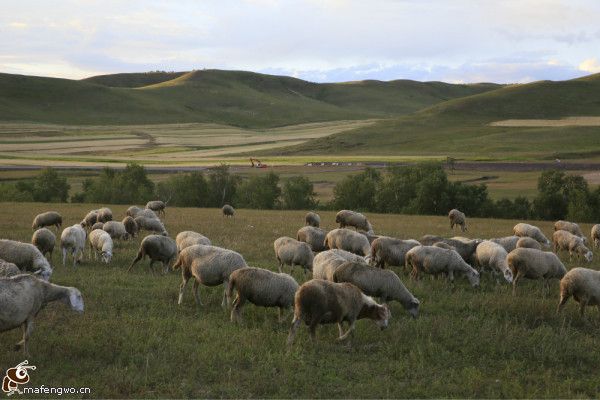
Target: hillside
{"points": [[227, 97]]}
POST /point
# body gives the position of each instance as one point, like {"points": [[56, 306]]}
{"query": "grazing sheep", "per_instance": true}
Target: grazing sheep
{"points": [[90, 219], [157, 248], [25, 256], [315, 237], [457, 218], [493, 256], [263, 288], [572, 227], [348, 240], [390, 251], [116, 230], [435, 260], [508, 242], [291, 252], [49, 218], [189, 238], [528, 242], [534, 264], [150, 224], [23, 296], [210, 266], [133, 211], [376, 282], [563, 240], [8, 269], [596, 235], [354, 219], [130, 226], [323, 302], [531, 231], [584, 285], [312, 219], [44, 240], [466, 249], [158, 206], [228, 211], [370, 237], [101, 242], [443, 245], [97, 225], [147, 213], [73, 239], [104, 215], [325, 263]]}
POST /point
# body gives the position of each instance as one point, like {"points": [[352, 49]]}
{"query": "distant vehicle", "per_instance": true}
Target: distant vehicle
{"points": [[257, 164]]}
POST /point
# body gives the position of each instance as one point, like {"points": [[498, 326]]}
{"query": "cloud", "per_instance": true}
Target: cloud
{"points": [[590, 65]]}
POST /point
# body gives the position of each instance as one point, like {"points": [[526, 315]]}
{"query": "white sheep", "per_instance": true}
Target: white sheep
{"points": [[493, 256], [48, 218], [457, 218], [390, 251], [116, 230], [289, 251], [584, 285], [189, 238], [158, 206], [529, 243], [325, 263], [228, 211], [97, 225], [464, 246], [8, 269], [596, 235], [72, 240], [508, 242], [130, 226], [25, 256], [315, 237], [157, 248], [150, 224], [322, 302], [101, 242], [376, 282], [534, 264], [572, 227], [263, 288], [312, 219], [563, 240], [210, 266], [436, 260], [531, 231], [104, 215], [133, 211], [354, 219], [23, 296], [348, 240], [90, 219], [44, 240]]}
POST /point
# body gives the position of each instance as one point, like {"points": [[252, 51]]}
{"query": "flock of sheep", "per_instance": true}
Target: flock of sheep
{"points": [[347, 264]]}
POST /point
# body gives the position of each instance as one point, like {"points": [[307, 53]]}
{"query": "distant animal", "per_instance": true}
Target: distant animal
{"points": [[158, 206], [228, 211], [49, 218], [457, 218], [312, 219]]}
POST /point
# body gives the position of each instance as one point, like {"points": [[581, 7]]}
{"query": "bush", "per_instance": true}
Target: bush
{"points": [[298, 194], [222, 186], [261, 192], [185, 190], [357, 192], [49, 187]]}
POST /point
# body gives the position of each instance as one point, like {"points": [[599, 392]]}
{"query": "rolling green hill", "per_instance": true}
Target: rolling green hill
{"points": [[133, 80]]}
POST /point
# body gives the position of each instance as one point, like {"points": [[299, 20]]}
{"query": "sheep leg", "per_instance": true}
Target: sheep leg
{"points": [[293, 330], [236, 311], [226, 299], [313, 328], [515, 280], [64, 254], [27, 331], [340, 328], [563, 300], [348, 332], [166, 266], [582, 305], [185, 277], [196, 293], [280, 265]]}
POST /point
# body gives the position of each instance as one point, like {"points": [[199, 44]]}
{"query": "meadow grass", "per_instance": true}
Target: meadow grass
{"points": [[135, 341]]}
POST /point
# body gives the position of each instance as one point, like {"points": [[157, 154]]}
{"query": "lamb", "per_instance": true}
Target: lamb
{"points": [[48, 218], [22, 297], [189, 238], [352, 218], [150, 224], [457, 218], [228, 211], [435, 260], [44, 240], [315, 237], [25, 256], [531, 231], [325, 263], [466, 249], [116, 230], [210, 266], [529, 243], [101, 242], [376, 282], [312, 219], [263, 288], [572, 227], [8, 269], [157, 248], [534, 264], [133, 211], [323, 302], [291, 252], [97, 225], [563, 240], [348, 240], [596, 235], [104, 215], [493, 256], [584, 285], [508, 242], [130, 226], [73, 239], [90, 219], [158, 206], [390, 251]]}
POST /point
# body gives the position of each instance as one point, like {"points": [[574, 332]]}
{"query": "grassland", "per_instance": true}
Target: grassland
{"points": [[134, 341]]}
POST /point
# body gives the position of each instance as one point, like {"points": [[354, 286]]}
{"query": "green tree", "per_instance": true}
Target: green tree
{"points": [[222, 186], [185, 190], [261, 192], [357, 192], [298, 193], [49, 186]]}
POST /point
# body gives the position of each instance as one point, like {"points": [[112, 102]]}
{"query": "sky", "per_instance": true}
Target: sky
{"points": [[509, 41]]}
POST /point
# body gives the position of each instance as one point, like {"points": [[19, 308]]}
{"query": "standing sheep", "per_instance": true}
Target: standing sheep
{"points": [[25, 256], [354, 219], [130, 226], [508, 242], [315, 237], [49, 218], [531, 231], [133, 211], [263, 288], [312, 219], [457, 218], [390, 251], [292, 252], [596, 235], [228, 211], [584, 285], [150, 224], [563, 240], [72, 239], [348, 240], [534, 264], [529, 243], [22, 297], [97, 225], [466, 248], [147, 213], [435, 260], [572, 227], [116, 230], [210, 266], [105, 215], [322, 302], [157, 248], [158, 206], [90, 219], [325, 263], [189, 238], [376, 282], [493, 256], [101, 242], [44, 240]]}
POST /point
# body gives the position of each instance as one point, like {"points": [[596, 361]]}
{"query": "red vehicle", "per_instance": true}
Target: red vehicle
{"points": [[257, 164]]}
